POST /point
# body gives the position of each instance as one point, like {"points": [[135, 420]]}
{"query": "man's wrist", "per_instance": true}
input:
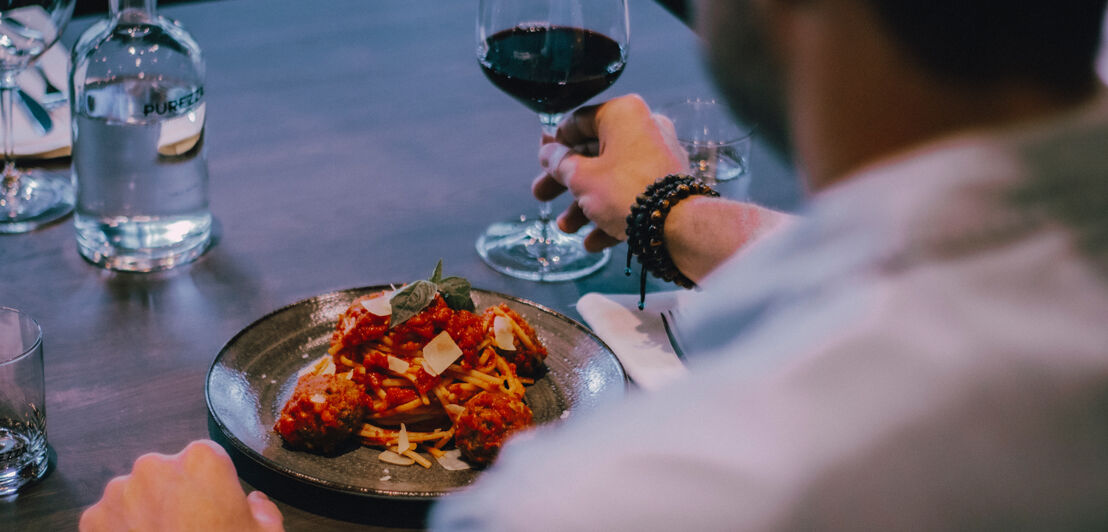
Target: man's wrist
{"points": [[646, 228]]}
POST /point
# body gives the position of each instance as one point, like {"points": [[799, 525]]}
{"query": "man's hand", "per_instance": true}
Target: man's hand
{"points": [[606, 155], [196, 489]]}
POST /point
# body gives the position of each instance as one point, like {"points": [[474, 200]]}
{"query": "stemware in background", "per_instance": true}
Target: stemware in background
{"points": [[23, 450], [552, 56], [718, 147], [29, 198]]}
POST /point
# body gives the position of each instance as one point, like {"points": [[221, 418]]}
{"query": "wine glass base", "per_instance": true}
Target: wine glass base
{"points": [[34, 198], [536, 251]]}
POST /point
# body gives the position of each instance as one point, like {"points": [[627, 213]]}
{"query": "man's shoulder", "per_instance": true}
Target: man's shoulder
{"points": [[1018, 298]]}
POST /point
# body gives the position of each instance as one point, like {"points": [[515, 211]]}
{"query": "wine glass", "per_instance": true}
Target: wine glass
{"points": [[552, 56], [28, 198]]}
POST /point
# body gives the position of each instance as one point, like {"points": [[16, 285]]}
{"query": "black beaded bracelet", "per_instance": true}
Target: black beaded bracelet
{"points": [[646, 227]]}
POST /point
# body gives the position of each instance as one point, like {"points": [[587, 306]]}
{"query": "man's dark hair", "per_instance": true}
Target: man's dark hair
{"points": [[982, 42]]}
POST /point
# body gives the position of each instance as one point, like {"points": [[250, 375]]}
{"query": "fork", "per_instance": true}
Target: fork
{"points": [[670, 325], [53, 96]]}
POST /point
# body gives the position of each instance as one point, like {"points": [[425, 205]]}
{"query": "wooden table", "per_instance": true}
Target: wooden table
{"points": [[350, 143]]}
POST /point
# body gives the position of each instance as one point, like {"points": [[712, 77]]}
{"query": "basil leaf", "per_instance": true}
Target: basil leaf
{"points": [[410, 300], [455, 290], [437, 275]]}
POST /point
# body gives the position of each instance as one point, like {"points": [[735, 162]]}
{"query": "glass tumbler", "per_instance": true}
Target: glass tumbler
{"points": [[23, 451], [718, 147]]}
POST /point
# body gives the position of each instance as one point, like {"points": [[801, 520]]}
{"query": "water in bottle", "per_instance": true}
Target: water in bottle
{"points": [[138, 142]]}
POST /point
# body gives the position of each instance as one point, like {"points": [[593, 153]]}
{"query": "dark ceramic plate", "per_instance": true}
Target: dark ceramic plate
{"points": [[254, 374]]}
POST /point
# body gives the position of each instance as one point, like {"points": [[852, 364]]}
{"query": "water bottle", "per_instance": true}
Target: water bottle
{"points": [[137, 102]]}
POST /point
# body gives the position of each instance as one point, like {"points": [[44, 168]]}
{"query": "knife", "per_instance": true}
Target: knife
{"points": [[41, 117]]}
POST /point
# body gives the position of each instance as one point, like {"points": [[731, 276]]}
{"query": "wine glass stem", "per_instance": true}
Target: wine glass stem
{"points": [[7, 84], [549, 129]]}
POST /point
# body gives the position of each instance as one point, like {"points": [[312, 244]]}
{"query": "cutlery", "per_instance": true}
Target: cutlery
{"points": [[671, 332], [40, 116], [53, 96]]}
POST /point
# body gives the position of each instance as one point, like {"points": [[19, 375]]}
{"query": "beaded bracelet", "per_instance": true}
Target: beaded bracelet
{"points": [[646, 226]]}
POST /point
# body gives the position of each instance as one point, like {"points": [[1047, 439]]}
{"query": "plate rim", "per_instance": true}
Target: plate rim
{"points": [[270, 465]]}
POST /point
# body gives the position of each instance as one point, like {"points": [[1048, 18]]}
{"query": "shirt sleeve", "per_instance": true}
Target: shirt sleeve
{"points": [[650, 463], [861, 430]]}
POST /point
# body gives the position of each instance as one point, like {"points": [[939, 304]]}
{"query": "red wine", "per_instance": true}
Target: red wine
{"points": [[552, 69]]}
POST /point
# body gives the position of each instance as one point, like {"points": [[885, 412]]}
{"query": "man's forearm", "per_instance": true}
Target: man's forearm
{"points": [[702, 232]]}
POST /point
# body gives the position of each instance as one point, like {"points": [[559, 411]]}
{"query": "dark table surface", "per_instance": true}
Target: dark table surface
{"points": [[350, 143]]}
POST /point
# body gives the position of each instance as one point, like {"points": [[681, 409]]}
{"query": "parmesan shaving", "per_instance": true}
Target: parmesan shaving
{"points": [[418, 459], [315, 367], [390, 457], [402, 442], [502, 331], [379, 305], [328, 366], [306, 370], [452, 460], [318, 398], [440, 353], [397, 365]]}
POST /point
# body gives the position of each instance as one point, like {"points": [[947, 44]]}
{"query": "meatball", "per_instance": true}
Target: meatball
{"points": [[489, 418], [322, 414]]}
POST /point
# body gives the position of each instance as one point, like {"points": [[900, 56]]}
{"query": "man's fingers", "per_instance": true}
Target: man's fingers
{"points": [[265, 512], [551, 156], [205, 457], [562, 163], [664, 124], [598, 240], [113, 491], [591, 148], [579, 127], [96, 519], [582, 127], [572, 219], [148, 471], [545, 188]]}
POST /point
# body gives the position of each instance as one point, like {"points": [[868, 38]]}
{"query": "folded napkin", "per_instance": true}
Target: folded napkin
{"points": [[637, 337], [28, 142], [176, 136]]}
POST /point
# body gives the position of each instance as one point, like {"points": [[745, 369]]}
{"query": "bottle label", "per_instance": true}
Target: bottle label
{"points": [[176, 106]]}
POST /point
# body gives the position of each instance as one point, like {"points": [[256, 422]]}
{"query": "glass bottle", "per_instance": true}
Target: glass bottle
{"points": [[137, 102]]}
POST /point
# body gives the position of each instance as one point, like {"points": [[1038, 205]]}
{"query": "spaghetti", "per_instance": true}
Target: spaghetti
{"points": [[444, 377]]}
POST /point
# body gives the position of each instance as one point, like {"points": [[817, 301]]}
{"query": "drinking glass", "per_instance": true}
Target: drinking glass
{"points": [[28, 198], [552, 56], [23, 451], [718, 147]]}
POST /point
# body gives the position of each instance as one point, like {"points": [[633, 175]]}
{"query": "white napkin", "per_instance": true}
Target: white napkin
{"points": [[637, 337], [28, 142], [177, 136]]}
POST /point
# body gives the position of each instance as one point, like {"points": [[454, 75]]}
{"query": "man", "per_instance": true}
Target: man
{"points": [[923, 349]]}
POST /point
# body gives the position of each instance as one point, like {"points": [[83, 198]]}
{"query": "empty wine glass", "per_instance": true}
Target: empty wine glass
{"points": [[28, 198], [552, 56]]}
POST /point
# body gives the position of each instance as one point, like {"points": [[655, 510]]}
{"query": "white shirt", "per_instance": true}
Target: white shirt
{"points": [[926, 349]]}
